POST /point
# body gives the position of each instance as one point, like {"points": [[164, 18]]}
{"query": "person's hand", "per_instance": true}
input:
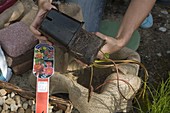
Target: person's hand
{"points": [[45, 6], [112, 45]]}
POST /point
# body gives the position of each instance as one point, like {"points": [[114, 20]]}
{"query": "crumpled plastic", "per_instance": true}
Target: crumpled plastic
{"points": [[5, 72]]}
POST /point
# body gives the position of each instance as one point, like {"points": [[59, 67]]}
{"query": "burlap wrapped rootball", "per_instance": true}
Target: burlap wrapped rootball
{"points": [[109, 99]]}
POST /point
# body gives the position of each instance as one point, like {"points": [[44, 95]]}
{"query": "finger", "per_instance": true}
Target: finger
{"points": [[100, 55], [49, 43], [38, 18], [43, 38], [101, 35], [36, 22], [47, 6], [45, 41], [34, 25], [54, 7], [34, 30]]}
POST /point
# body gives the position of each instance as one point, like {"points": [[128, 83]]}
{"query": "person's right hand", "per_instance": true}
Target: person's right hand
{"points": [[46, 6], [112, 45]]}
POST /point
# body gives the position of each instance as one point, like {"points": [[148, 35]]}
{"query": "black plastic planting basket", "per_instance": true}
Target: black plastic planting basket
{"points": [[63, 29]]}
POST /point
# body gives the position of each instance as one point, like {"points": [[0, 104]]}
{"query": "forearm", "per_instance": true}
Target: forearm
{"points": [[135, 14]]}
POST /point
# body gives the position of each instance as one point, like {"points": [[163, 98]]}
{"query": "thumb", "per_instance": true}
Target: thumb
{"points": [[102, 36]]}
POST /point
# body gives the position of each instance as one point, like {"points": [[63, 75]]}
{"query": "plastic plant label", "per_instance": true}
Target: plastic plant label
{"points": [[43, 68]]}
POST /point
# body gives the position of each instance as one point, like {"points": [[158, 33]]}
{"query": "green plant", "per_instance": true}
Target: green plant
{"points": [[161, 98], [157, 100]]}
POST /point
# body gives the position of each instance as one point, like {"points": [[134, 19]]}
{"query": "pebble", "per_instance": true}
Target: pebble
{"points": [[2, 101], [159, 54], [19, 105], [2, 92], [50, 108], [30, 102], [5, 107], [162, 29], [18, 99], [8, 95], [10, 101], [3, 111], [12, 94], [33, 107], [5, 97], [14, 103], [25, 105], [164, 12], [168, 52], [23, 99], [21, 110], [14, 107], [28, 111]]}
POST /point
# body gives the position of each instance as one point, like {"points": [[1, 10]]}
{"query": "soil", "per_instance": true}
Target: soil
{"points": [[155, 46], [85, 44]]}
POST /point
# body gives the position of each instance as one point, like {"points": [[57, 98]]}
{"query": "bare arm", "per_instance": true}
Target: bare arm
{"points": [[135, 14]]}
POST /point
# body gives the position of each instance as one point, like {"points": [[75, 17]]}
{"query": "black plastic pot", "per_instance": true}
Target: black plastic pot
{"points": [[64, 30]]}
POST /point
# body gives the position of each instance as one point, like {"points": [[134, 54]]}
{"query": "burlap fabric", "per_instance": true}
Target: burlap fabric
{"points": [[109, 99]]}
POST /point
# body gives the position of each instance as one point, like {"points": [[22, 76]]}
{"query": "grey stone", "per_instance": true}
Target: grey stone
{"points": [[2, 101], [10, 101], [14, 107], [25, 105], [5, 107], [162, 29], [21, 110], [3, 92]]}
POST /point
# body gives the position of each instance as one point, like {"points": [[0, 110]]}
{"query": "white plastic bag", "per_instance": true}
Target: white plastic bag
{"points": [[5, 72]]}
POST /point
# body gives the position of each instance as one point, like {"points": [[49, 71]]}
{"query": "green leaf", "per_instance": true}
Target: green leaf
{"points": [[106, 55]]}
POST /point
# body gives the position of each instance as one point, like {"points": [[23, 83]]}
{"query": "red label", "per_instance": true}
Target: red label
{"points": [[42, 95]]}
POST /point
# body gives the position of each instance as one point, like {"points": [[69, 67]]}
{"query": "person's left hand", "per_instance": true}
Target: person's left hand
{"points": [[43, 8], [112, 45]]}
